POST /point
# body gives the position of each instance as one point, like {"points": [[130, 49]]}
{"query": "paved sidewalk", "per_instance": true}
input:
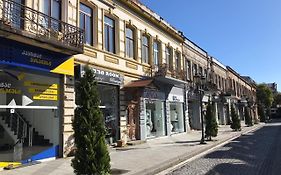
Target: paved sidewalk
{"points": [[151, 157]]}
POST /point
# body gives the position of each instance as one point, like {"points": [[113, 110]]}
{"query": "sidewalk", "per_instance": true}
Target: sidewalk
{"points": [[151, 157]]}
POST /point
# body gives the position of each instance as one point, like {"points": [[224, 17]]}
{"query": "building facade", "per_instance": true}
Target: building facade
{"points": [[36, 70], [146, 72]]}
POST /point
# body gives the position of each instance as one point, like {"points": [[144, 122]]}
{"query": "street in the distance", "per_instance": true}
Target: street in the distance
{"points": [[255, 153]]}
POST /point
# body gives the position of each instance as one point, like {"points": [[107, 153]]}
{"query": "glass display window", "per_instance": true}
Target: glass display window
{"points": [[109, 108], [177, 117], [155, 118]]}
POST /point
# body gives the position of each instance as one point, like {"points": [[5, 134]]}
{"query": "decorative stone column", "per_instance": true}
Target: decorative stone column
{"points": [[68, 115]]}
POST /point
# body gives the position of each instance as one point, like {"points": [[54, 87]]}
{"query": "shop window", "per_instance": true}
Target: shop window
{"points": [[129, 42], [155, 120], [145, 49], [86, 22], [109, 34], [177, 118], [109, 107]]}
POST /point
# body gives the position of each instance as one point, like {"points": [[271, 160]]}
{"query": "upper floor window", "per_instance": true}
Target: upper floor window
{"points": [[86, 22], [188, 69], [177, 61], [51, 8], [109, 34], [156, 52], [129, 43], [195, 69], [169, 57], [200, 70], [144, 49]]}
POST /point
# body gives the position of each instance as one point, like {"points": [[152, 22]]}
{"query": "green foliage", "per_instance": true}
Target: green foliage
{"points": [[236, 123], [211, 122], [264, 95], [248, 118], [261, 113], [277, 99], [91, 156]]}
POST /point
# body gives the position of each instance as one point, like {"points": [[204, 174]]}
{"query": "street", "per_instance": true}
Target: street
{"points": [[256, 153]]}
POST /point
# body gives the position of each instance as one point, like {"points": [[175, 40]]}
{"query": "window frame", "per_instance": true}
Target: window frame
{"points": [[91, 22], [131, 43], [156, 52], [106, 33], [142, 49], [169, 57]]}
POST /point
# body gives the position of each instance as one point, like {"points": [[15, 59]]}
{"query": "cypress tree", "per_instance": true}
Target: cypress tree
{"points": [[91, 156], [236, 123], [248, 119], [211, 122]]}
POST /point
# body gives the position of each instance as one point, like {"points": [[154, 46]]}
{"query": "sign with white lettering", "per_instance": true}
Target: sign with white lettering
{"points": [[21, 55], [105, 76]]}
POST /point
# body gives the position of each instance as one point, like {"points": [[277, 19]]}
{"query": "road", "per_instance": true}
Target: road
{"points": [[256, 153]]}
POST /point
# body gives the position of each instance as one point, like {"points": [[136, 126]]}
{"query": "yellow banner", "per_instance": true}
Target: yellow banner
{"points": [[50, 86], [43, 91], [45, 97], [66, 67]]}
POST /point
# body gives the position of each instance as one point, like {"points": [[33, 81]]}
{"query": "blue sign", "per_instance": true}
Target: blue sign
{"points": [[13, 53]]}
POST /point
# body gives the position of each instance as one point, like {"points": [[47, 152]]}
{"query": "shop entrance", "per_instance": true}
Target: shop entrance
{"points": [[29, 116], [27, 132]]}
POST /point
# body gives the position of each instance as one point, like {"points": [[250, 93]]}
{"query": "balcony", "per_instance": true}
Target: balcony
{"points": [[163, 70], [162, 73], [21, 23]]}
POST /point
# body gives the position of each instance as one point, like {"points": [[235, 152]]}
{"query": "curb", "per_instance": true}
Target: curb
{"points": [[174, 163]]}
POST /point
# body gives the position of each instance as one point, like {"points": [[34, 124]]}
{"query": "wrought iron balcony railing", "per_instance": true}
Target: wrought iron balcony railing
{"points": [[165, 70], [20, 18]]}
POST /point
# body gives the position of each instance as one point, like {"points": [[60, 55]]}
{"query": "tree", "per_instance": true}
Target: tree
{"points": [[261, 113], [277, 99], [248, 118], [91, 156], [236, 123], [211, 122], [264, 95], [264, 99]]}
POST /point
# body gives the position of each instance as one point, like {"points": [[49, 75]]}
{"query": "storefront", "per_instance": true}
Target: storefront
{"points": [[153, 118], [175, 102], [108, 87], [30, 101]]}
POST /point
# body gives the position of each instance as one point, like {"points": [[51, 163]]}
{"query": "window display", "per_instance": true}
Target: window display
{"points": [[176, 115], [155, 120], [109, 108]]}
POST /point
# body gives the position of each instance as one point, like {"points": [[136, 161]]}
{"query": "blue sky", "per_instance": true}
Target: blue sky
{"points": [[243, 34]]}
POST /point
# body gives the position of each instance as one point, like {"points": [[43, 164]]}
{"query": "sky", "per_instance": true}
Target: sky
{"points": [[242, 34]]}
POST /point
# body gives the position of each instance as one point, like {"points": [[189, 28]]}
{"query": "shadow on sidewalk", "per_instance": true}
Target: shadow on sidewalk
{"points": [[253, 153]]}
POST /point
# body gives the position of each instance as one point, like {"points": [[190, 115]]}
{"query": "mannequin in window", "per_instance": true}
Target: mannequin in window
{"points": [[149, 124]]}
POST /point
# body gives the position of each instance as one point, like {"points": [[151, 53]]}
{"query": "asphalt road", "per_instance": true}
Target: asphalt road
{"points": [[256, 153]]}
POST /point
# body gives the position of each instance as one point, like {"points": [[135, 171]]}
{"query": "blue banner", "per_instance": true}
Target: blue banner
{"points": [[13, 53]]}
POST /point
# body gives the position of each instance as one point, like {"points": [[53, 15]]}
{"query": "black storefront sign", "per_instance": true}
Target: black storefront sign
{"points": [[101, 75]]}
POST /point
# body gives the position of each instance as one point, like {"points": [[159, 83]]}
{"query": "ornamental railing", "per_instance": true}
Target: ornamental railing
{"points": [[20, 18]]}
